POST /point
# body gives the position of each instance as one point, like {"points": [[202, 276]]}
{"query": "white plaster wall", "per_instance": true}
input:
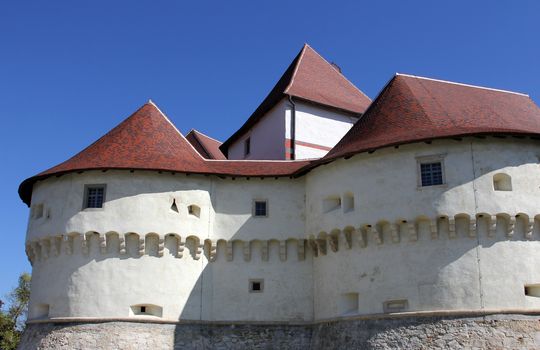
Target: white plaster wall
{"points": [[431, 273], [319, 126], [267, 137], [442, 272], [385, 183], [105, 284], [140, 202], [305, 152]]}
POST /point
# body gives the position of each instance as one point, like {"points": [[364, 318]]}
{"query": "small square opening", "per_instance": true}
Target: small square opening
{"points": [[143, 309], [256, 286]]}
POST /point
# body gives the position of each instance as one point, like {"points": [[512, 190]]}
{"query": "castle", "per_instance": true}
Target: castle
{"points": [[325, 221]]}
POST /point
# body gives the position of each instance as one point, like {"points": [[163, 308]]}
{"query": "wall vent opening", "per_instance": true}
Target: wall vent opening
{"points": [[174, 207], [331, 203], [256, 286], [348, 202], [532, 290], [194, 210], [348, 303], [146, 310], [502, 182], [400, 305]]}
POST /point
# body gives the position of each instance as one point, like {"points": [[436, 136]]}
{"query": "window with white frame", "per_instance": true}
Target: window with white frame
{"points": [[94, 196], [260, 208], [430, 171]]}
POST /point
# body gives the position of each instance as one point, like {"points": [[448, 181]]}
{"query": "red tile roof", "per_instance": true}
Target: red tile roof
{"points": [[409, 109], [412, 109], [205, 145], [147, 140], [309, 77]]}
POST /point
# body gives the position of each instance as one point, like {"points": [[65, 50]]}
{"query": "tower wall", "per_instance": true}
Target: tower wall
{"points": [[139, 249], [406, 248]]}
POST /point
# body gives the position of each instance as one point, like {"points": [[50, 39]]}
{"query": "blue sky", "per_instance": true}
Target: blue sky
{"points": [[72, 70]]}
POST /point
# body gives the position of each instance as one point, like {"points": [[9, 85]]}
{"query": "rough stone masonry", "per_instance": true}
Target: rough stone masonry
{"points": [[490, 332]]}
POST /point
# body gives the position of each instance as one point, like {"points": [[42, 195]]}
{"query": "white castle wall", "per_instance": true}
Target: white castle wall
{"points": [[459, 246], [102, 261], [317, 126], [266, 137]]}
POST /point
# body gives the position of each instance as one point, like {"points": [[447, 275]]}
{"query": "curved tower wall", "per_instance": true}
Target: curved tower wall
{"points": [[457, 246], [139, 250], [393, 247]]}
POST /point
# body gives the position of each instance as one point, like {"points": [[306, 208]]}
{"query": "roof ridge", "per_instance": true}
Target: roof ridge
{"points": [[337, 71], [463, 84], [150, 102], [296, 68], [201, 133]]}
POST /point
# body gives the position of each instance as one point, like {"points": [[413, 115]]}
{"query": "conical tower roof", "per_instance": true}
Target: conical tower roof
{"points": [[411, 109], [144, 140], [147, 140]]}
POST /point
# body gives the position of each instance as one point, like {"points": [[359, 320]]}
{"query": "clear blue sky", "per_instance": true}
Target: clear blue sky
{"points": [[72, 70]]}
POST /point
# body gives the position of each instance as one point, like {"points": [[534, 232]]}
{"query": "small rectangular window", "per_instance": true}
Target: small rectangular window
{"points": [[256, 286], [247, 146], [94, 196], [260, 208], [431, 174]]}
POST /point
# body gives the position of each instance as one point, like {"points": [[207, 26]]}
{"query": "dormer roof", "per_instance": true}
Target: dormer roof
{"points": [[309, 77], [412, 109], [205, 145]]}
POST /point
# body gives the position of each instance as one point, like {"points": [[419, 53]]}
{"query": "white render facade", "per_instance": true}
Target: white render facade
{"points": [[356, 236], [317, 130]]}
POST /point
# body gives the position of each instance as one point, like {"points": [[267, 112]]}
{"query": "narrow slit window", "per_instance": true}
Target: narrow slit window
{"points": [[94, 196], [260, 208], [431, 174], [247, 146]]}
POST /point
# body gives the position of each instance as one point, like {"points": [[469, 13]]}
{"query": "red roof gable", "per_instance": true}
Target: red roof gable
{"points": [[147, 140], [411, 109], [309, 77], [316, 80], [205, 145]]}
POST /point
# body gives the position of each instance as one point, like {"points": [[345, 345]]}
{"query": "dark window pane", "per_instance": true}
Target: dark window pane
{"points": [[94, 197], [260, 208], [431, 174]]}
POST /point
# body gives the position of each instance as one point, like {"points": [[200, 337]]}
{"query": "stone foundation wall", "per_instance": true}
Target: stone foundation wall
{"points": [[499, 332], [490, 332]]}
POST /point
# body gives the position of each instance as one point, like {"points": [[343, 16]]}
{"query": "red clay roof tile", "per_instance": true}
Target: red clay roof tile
{"points": [[147, 140], [411, 109], [309, 77], [205, 145]]}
